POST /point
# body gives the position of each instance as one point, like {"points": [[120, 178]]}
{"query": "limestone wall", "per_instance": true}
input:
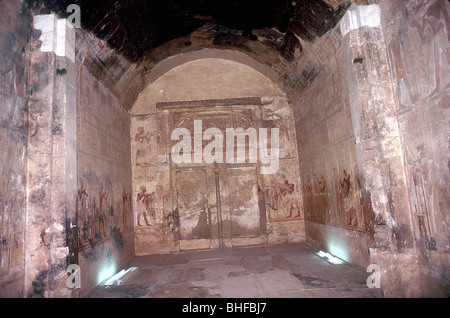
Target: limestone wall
{"points": [[15, 32], [182, 208], [328, 165], [104, 194], [104, 182], [417, 36]]}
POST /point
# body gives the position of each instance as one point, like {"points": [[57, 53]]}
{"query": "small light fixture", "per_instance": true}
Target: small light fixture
{"points": [[120, 277], [330, 258]]}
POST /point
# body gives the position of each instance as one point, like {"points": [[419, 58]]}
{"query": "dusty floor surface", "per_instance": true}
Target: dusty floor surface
{"points": [[290, 270]]}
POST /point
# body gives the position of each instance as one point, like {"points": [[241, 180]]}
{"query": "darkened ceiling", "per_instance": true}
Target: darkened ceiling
{"points": [[135, 27]]}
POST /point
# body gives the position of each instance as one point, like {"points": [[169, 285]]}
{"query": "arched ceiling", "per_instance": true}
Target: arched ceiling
{"points": [[205, 79], [292, 38], [136, 27]]}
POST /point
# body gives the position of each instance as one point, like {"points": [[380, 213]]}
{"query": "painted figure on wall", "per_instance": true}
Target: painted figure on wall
{"points": [[345, 184], [142, 140], [126, 209], [309, 200], [285, 143], [161, 139], [280, 198], [83, 224], [98, 215], [322, 207], [276, 119], [346, 205], [144, 206], [102, 197], [112, 215], [431, 55], [271, 200], [162, 204], [349, 200]]}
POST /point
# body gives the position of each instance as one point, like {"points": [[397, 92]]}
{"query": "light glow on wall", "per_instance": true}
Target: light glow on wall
{"points": [[339, 250], [106, 272]]}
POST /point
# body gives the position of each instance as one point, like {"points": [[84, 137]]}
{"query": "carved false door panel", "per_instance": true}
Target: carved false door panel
{"points": [[208, 222], [193, 216], [243, 201], [217, 202]]}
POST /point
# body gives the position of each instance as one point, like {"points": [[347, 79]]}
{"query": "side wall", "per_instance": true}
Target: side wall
{"points": [[15, 33], [399, 105], [334, 217], [105, 224], [201, 81], [417, 37]]}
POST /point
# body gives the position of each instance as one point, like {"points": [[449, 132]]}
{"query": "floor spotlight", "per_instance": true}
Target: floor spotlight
{"points": [[330, 258], [120, 277]]}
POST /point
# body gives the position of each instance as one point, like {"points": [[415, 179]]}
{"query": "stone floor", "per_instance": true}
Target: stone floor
{"points": [[290, 270]]}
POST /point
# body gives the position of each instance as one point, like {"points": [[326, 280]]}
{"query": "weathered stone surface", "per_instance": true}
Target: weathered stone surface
{"points": [[183, 198], [362, 109], [15, 32], [104, 197], [417, 38], [328, 165]]}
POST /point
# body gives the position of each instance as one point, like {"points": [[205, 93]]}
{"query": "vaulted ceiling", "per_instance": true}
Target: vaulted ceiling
{"points": [[136, 27]]}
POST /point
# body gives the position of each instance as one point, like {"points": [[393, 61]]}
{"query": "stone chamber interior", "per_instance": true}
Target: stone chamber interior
{"points": [[89, 97]]}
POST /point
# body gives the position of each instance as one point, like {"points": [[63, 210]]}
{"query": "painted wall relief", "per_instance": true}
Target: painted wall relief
{"points": [[104, 196], [217, 119], [412, 53], [197, 211], [144, 207], [316, 196], [278, 114], [347, 213], [281, 201], [322, 205], [421, 198], [308, 198], [283, 196], [102, 214], [422, 47], [142, 145], [283, 190], [337, 203], [149, 140], [152, 199], [153, 208], [157, 184]]}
